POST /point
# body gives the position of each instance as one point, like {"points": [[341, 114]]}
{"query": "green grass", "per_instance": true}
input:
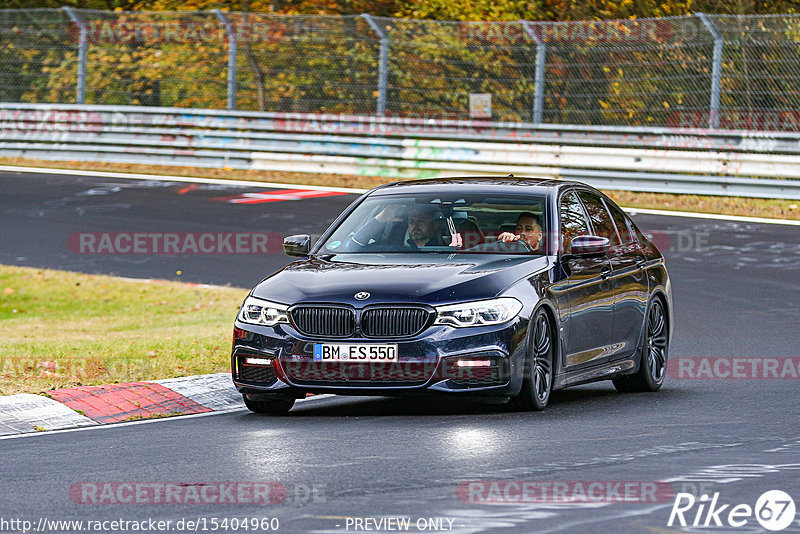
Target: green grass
{"points": [[151, 416], [61, 329]]}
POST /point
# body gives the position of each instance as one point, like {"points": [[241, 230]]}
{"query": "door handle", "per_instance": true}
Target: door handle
{"points": [[605, 274], [640, 262]]}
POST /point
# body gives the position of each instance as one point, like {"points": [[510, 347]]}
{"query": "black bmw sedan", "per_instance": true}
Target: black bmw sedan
{"points": [[501, 288]]}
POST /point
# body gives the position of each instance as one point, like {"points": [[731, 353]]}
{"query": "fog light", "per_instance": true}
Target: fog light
{"points": [[474, 363], [257, 361]]}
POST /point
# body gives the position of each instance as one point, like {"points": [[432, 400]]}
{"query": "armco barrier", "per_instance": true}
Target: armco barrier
{"points": [[713, 162]]}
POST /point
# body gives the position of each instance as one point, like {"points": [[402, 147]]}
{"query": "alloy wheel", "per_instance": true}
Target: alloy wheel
{"points": [[657, 341], [542, 364]]}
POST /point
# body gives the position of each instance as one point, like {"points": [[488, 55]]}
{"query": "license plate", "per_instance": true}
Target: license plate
{"points": [[340, 352]]}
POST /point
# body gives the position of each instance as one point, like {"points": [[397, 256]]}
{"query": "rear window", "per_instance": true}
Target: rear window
{"points": [[621, 221], [598, 215]]}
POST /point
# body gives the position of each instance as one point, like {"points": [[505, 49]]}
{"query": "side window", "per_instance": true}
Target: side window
{"points": [[573, 221], [621, 221], [598, 215]]}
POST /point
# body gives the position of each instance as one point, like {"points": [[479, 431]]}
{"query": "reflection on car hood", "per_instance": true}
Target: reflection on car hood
{"points": [[432, 279]]}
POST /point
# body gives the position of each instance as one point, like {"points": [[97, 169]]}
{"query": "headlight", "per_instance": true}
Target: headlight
{"points": [[262, 312], [479, 313]]}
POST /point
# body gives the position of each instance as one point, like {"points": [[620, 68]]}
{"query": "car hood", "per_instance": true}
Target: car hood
{"points": [[397, 278]]}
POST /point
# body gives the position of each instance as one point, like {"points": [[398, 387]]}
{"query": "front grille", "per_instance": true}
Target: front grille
{"points": [[394, 322], [403, 372], [341, 373], [326, 321]]}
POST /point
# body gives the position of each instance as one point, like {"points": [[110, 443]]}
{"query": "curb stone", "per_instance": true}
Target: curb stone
{"points": [[93, 405]]}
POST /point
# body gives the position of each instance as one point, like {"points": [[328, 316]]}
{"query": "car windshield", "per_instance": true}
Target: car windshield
{"points": [[427, 223]]}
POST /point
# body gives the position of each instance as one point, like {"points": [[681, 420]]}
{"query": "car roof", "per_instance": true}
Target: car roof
{"points": [[478, 184]]}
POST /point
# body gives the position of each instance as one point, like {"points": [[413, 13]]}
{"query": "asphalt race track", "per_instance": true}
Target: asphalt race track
{"points": [[736, 289]]}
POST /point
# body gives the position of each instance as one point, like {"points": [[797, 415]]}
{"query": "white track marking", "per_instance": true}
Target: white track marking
{"points": [[144, 421], [716, 216], [188, 179], [272, 185]]}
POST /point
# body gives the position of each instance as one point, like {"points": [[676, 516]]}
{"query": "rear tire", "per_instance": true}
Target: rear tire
{"points": [[654, 350], [537, 383], [269, 406]]}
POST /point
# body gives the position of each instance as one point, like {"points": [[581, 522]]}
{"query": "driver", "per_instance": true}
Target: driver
{"points": [[422, 228], [528, 230]]}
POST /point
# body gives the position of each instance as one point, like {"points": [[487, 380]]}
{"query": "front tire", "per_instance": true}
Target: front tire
{"points": [[654, 351], [537, 383], [269, 406]]}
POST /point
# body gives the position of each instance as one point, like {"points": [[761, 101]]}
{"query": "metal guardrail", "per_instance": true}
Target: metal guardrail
{"points": [[710, 162]]}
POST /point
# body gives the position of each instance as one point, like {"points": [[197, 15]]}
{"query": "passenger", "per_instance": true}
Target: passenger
{"points": [[528, 230], [471, 234], [423, 228]]}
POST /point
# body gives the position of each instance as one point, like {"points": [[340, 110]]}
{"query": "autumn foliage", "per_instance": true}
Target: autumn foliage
{"points": [[606, 61]]}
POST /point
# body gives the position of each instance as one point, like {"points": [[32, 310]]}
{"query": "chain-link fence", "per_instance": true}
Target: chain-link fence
{"points": [[721, 71]]}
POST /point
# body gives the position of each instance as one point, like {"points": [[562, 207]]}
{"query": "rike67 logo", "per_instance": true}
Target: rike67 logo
{"points": [[774, 510]]}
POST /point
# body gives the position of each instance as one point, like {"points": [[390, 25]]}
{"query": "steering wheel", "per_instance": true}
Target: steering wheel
{"points": [[526, 246], [520, 244]]}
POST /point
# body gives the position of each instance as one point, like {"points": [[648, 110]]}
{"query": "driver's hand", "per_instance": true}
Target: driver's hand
{"points": [[390, 214], [507, 237]]}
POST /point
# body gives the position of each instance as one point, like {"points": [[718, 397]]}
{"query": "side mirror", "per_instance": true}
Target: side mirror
{"points": [[297, 245], [589, 245]]}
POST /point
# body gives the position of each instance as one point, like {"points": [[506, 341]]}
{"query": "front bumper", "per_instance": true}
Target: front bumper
{"points": [[278, 361]]}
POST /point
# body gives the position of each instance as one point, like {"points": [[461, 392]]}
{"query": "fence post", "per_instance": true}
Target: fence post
{"points": [[716, 73], [82, 47], [383, 63], [541, 58], [232, 53]]}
